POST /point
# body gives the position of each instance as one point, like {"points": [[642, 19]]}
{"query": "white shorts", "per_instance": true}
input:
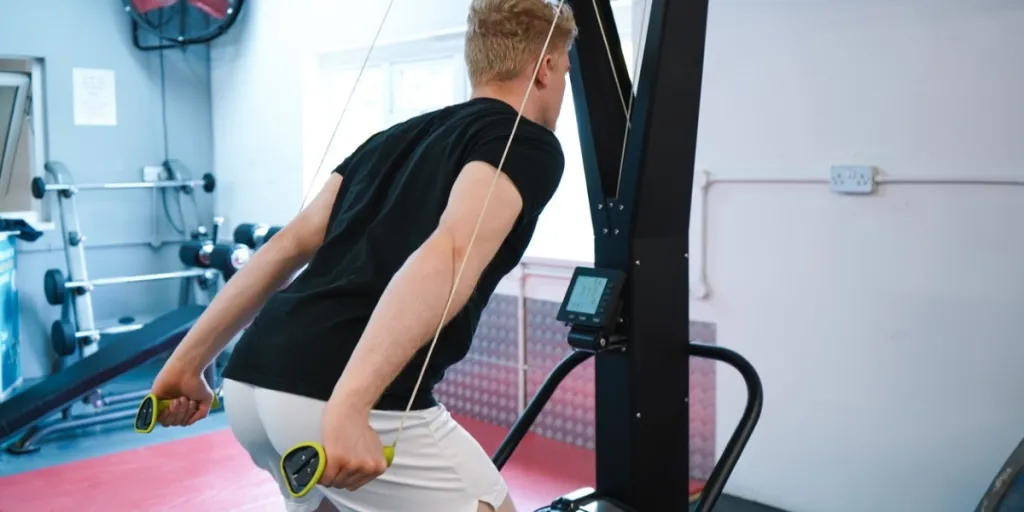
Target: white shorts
{"points": [[438, 466]]}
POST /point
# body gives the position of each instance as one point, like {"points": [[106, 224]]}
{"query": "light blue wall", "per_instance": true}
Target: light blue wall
{"points": [[119, 225]]}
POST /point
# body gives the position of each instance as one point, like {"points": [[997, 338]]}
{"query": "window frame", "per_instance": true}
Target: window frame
{"points": [[436, 46], [21, 82]]}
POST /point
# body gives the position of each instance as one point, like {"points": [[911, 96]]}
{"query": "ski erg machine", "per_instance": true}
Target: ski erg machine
{"points": [[631, 311]]}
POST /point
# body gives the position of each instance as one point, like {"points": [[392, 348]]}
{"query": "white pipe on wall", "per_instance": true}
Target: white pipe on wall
{"points": [[703, 180], [521, 328]]}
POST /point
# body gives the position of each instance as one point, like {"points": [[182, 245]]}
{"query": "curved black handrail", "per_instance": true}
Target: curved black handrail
{"points": [[529, 415], [751, 413]]}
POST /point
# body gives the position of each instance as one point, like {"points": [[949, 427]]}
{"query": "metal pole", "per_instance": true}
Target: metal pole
{"points": [[525, 272], [547, 390], [106, 281], [522, 328], [117, 329], [74, 254], [715, 485], [131, 185]]}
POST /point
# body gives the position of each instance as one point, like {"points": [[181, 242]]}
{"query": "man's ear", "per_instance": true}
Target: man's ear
{"points": [[547, 66]]}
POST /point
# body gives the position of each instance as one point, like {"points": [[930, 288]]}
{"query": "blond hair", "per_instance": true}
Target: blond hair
{"points": [[505, 37]]}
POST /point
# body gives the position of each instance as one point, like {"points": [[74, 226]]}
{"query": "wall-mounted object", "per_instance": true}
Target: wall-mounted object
{"points": [[178, 23]]}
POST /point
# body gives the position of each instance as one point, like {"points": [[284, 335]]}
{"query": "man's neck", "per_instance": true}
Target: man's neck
{"points": [[511, 93]]}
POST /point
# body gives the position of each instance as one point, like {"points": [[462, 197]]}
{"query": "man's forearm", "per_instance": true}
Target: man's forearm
{"points": [[234, 307], [405, 319]]}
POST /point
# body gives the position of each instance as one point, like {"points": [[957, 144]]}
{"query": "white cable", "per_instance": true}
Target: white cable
{"points": [[351, 93], [479, 221], [632, 96], [608, 49]]}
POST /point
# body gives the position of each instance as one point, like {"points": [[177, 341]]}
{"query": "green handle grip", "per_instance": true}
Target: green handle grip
{"points": [[152, 407], [303, 465]]}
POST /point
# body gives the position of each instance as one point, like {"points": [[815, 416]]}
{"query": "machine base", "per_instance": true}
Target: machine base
{"points": [[583, 500]]}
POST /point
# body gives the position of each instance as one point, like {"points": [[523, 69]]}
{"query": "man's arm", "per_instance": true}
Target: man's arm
{"points": [[409, 312], [269, 269]]}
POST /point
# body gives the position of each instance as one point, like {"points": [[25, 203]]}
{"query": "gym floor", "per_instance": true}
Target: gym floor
{"points": [[112, 468]]}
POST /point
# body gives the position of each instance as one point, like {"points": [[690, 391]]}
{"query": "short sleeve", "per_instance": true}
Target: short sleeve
{"points": [[534, 164], [345, 164], [342, 167]]}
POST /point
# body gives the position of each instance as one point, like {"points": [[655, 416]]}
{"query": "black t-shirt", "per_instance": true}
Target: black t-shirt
{"points": [[395, 188]]}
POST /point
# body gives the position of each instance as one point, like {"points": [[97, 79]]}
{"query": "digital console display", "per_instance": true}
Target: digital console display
{"points": [[586, 294]]}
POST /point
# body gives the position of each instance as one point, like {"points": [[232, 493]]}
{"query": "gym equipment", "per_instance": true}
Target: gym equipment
{"points": [[254, 235], [639, 196], [26, 411], [40, 187], [591, 309], [1006, 493], [63, 337], [205, 253], [77, 306], [75, 336], [303, 465], [151, 407], [55, 285]]}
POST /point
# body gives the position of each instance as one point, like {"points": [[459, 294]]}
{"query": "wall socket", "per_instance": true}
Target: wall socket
{"points": [[852, 179], [151, 173]]}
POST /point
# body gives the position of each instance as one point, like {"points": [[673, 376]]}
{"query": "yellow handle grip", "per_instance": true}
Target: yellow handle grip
{"points": [[163, 403], [303, 465], [152, 407]]}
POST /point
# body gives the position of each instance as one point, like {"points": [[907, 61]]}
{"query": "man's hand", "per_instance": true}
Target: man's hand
{"points": [[355, 455], [190, 395]]}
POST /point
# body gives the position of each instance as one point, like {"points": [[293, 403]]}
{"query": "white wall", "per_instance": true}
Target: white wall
{"points": [[887, 328]]}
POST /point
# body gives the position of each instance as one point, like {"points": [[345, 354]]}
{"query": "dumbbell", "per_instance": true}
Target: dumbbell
{"points": [[229, 258], [226, 258], [254, 235], [304, 464]]}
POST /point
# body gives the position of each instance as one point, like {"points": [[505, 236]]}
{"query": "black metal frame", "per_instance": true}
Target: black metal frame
{"points": [[641, 224], [1006, 479], [640, 206]]}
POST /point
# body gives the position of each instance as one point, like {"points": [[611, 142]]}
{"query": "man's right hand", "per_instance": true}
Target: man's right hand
{"points": [[355, 455], [190, 395]]}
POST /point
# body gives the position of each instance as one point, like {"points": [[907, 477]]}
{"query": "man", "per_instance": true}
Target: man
{"points": [[336, 354]]}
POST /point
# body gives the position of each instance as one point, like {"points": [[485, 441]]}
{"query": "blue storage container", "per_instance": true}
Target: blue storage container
{"points": [[10, 361]]}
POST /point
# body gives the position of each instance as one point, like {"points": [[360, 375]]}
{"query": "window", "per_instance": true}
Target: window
{"points": [[365, 115], [406, 79], [22, 140], [423, 85], [388, 92], [13, 94], [565, 230]]}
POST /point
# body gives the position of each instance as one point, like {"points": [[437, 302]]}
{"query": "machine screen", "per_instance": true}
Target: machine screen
{"points": [[586, 294]]}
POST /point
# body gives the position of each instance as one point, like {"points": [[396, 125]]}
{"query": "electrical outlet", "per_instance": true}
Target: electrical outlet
{"points": [[852, 179], [151, 173]]}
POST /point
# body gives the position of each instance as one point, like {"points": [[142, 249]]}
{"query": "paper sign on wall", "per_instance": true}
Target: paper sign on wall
{"points": [[95, 97]]}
